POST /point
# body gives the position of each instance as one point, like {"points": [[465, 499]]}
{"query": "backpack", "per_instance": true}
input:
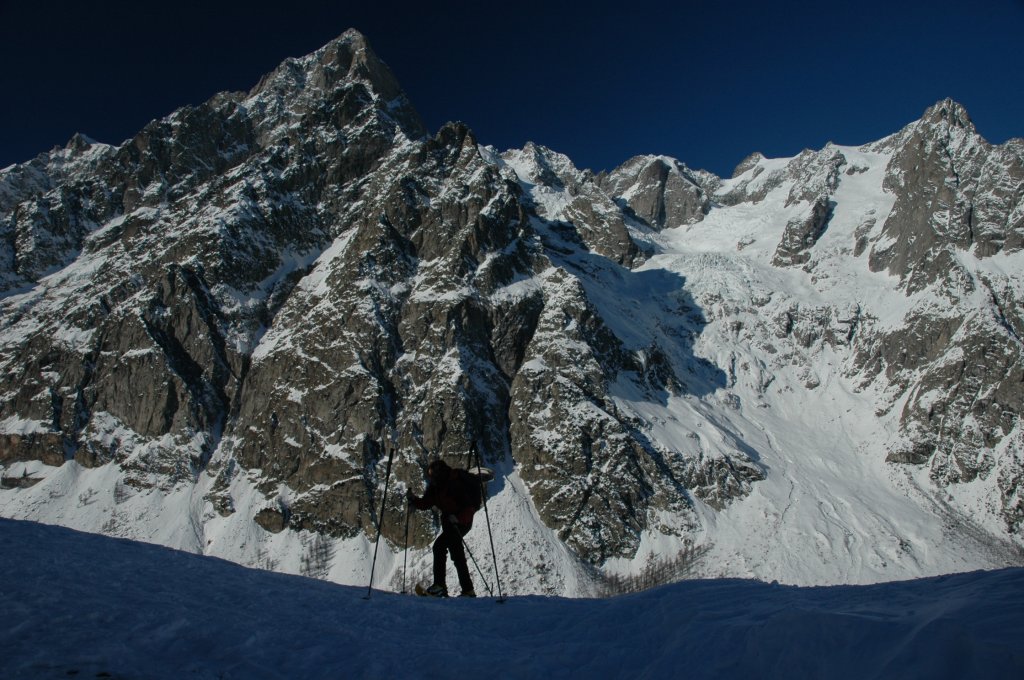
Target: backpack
{"points": [[467, 489]]}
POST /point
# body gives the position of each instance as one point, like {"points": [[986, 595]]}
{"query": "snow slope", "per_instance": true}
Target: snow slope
{"points": [[82, 605], [830, 510]]}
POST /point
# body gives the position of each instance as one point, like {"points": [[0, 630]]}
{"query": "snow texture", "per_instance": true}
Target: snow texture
{"points": [[81, 605]]}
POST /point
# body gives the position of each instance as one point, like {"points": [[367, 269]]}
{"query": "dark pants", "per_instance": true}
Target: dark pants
{"points": [[450, 541]]}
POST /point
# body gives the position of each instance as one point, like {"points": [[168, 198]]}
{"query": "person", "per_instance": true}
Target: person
{"points": [[455, 494]]}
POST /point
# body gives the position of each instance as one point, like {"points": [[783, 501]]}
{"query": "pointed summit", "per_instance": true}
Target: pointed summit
{"points": [[937, 121], [344, 62], [949, 112], [747, 163], [79, 142], [350, 57]]}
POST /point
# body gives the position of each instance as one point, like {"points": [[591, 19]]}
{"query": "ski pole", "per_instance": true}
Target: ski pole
{"points": [[380, 522], [490, 535], [405, 558]]}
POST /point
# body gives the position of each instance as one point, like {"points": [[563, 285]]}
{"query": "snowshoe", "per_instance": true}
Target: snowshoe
{"points": [[433, 591]]}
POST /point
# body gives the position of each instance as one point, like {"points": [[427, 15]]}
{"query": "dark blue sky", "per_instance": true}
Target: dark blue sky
{"points": [[706, 82]]}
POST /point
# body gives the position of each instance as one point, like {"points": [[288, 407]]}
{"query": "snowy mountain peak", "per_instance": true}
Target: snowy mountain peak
{"points": [[655, 167], [343, 73], [660, 190], [944, 123], [748, 163], [80, 142], [537, 164], [949, 112], [351, 57]]}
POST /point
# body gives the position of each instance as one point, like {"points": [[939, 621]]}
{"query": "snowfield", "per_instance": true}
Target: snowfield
{"points": [[82, 605]]}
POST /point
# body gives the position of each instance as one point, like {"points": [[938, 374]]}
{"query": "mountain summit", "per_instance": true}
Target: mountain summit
{"points": [[949, 112], [223, 333]]}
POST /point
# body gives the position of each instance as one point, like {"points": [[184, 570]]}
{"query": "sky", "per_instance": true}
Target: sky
{"points": [[706, 82]]}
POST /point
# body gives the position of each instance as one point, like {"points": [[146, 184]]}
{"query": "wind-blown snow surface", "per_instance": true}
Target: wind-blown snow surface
{"points": [[82, 605]]}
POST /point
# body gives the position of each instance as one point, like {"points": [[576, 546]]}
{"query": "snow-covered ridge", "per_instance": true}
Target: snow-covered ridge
{"points": [[143, 611]]}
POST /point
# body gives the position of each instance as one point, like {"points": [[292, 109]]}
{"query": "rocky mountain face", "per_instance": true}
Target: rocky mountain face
{"points": [[264, 303], [955, 369], [290, 282]]}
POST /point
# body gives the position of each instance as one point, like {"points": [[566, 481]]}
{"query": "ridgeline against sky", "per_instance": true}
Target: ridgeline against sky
{"points": [[707, 83]]}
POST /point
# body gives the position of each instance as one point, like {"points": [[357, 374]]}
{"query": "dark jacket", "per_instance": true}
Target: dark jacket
{"points": [[456, 493]]}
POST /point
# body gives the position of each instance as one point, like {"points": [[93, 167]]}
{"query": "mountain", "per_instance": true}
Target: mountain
{"points": [[222, 334]]}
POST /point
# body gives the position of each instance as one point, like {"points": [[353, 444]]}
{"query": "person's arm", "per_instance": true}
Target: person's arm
{"points": [[426, 502]]}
